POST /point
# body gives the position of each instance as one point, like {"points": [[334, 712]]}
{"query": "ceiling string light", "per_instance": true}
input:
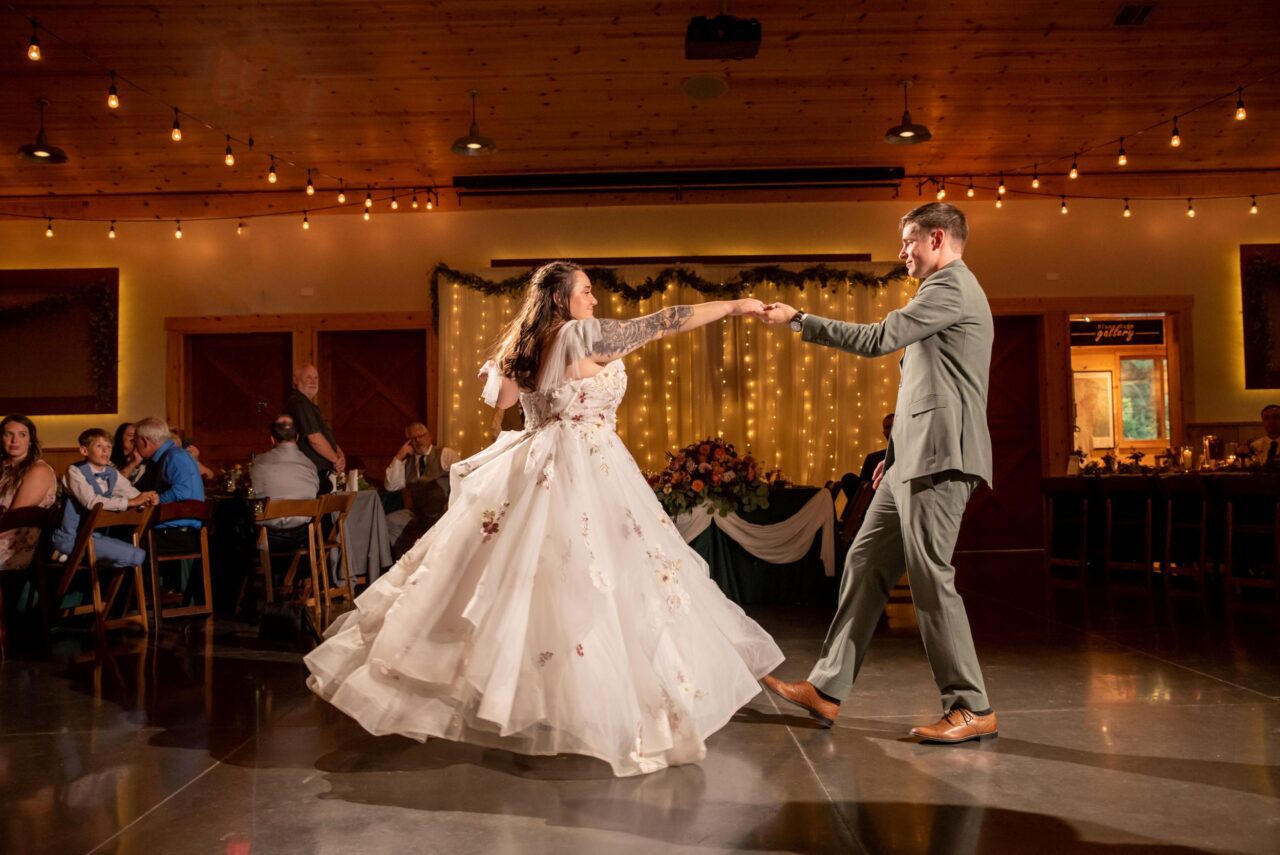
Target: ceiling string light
{"points": [[1035, 177], [1253, 204], [1127, 213], [970, 191], [111, 232], [33, 46], [48, 229], [175, 133], [1064, 203], [272, 177], [113, 94], [342, 192], [1075, 168], [1123, 159], [1000, 188], [1175, 139], [1240, 113], [1191, 209], [229, 158], [177, 231], [306, 223], [311, 187]]}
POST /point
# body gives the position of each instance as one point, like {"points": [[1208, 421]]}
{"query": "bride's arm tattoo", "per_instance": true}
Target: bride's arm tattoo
{"points": [[618, 338]]}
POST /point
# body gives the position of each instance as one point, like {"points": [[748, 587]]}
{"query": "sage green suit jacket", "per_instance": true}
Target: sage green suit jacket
{"points": [[946, 331]]}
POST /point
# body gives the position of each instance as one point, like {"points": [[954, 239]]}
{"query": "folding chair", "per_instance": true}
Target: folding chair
{"points": [[335, 542], [275, 509], [84, 559], [190, 509], [42, 519]]}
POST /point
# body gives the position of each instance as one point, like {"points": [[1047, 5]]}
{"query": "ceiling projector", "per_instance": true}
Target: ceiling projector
{"points": [[722, 37]]}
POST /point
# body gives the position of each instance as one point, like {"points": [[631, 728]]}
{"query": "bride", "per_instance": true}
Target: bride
{"points": [[555, 607]]}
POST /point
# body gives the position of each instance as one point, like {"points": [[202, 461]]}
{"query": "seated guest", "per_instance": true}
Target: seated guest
{"points": [[25, 481], [124, 455], [1266, 448], [876, 457], [417, 464], [189, 445], [91, 482], [285, 472], [177, 480]]}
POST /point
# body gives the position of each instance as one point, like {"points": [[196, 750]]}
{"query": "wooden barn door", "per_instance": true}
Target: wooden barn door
{"points": [[1009, 517], [372, 384], [236, 383]]}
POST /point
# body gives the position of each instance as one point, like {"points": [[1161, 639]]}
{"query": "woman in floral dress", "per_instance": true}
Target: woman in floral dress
{"points": [[554, 608]]}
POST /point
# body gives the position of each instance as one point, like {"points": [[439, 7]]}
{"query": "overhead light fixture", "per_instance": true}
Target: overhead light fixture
{"points": [[113, 94], [473, 144], [1075, 168], [48, 230], [229, 159], [1127, 212], [306, 223], [413, 203], [1240, 113], [1000, 188], [1035, 177], [176, 133], [33, 47], [242, 227], [907, 133], [272, 178], [942, 190], [368, 200], [1063, 209], [177, 231], [1123, 159], [311, 187], [111, 232], [40, 151], [1175, 139], [970, 191], [1253, 204], [433, 198], [342, 192], [1191, 209]]}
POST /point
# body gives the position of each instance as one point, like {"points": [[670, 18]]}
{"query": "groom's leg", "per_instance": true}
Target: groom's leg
{"points": [[874, 564], [931, 509]]}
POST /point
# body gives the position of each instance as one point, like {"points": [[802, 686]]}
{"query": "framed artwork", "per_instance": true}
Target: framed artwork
{"points": [[1095, 414], [1260, 304]]}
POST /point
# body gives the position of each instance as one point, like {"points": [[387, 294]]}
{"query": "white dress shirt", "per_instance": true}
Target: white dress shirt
{"points": [[396, 472], [82, 491]]}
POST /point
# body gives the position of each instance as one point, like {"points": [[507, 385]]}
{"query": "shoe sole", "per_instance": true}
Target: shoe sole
{"points": [[813, 714], [977, 737]]}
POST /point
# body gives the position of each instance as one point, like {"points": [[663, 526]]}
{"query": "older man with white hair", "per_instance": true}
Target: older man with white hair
{"points": [[423, 467], [177, 480], [315, 437]]}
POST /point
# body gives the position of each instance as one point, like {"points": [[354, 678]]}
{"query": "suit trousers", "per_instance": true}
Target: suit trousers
{"points": [[912, 524]]}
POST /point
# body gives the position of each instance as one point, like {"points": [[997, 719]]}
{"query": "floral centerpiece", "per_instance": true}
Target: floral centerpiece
{"points": [[711, 470]]}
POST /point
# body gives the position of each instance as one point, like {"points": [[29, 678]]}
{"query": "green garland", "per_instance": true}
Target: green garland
{"points": [[609, 279], [1260, 277], [102, 333]]}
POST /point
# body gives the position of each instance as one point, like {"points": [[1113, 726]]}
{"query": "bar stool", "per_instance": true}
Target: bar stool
{"points": [[190, 509], [1127, 535], [1066, 533], [1252, 550], [1184, 557]]}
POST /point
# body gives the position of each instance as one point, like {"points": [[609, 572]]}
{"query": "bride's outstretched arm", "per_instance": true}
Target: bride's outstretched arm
{"points": [[618, 338]]}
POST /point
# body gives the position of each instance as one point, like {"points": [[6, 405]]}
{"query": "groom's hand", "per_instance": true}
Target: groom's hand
{"points": [[776, 314], [877, 476]]}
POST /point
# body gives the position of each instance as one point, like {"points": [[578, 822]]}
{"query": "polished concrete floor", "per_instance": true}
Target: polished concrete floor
{"points": [[1121, 731]]}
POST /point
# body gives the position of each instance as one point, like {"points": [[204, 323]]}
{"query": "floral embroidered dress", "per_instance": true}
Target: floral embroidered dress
{"points": [[553, 609]]}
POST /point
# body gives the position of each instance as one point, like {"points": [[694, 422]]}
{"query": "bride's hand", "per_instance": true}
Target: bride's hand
{"points": [[747, 306]]}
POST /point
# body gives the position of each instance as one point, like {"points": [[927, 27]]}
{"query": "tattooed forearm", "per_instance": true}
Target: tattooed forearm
{"points": [[617, 337]]}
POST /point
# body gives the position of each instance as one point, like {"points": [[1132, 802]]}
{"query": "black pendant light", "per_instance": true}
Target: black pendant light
{"points": [[907, 133], [473, 144], [40, 151]]}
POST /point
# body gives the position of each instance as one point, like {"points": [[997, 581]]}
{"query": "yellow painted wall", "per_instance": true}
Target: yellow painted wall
{"points": [[1026, 249]]}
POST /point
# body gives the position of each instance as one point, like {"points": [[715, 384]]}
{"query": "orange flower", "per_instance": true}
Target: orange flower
{"points": [[698, 486]]}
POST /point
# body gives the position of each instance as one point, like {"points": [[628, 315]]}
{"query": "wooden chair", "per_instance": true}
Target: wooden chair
{"points": [[335, 541], [1184, 557], [42, 519], [84, 559], [190, 509], [1066, 534], [1252, 548], [275, 509]]}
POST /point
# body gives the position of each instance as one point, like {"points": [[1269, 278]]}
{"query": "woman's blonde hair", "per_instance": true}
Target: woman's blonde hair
{"points": [[518, 353]]}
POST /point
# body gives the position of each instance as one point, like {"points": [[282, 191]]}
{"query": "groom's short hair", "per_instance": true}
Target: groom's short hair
{"points": [[939, 215]]}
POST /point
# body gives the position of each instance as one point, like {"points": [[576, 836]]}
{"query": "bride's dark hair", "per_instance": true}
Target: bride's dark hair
{"points": [[518, 353]]}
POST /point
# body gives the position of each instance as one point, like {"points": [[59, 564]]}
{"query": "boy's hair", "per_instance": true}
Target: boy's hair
{"points": [[91, 434]]}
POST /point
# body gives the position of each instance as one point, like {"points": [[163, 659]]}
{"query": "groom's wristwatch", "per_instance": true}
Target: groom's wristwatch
{"points": [[797, 321]]}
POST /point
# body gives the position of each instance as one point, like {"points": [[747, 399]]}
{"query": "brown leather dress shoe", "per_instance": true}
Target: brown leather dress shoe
{"points": [[805, 696], [959, 725]]}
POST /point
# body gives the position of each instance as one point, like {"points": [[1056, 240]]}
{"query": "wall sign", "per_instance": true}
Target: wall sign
{"points": [[1113, 333]]}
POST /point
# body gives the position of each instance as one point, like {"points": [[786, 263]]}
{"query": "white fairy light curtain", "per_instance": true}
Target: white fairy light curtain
{"points": [[812, 411]]}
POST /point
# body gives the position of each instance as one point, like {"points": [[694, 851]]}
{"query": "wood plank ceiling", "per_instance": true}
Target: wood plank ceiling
{"points": [[375, 92]]}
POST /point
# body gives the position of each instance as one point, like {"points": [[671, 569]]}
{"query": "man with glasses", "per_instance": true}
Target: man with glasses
{"points": [[422, 468]]}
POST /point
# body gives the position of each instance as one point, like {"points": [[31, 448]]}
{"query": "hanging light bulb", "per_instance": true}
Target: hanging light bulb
{"points": [[394, 204], [229, 159], [999, 202], [431, 197], [1064, 203], [366, 215], [1253, 204], [177, 231], [368, 199], [1191, 209], [413, 203], [1035, 177], [342, 192], [1075, 168], [1122, 160], [48, 231], [176, 133], [1000, 188], [111, 232], [1175, 139], [1127, 212], [113, 94], [311, 188], [272, 178], [1240, 113], [970, 191], [306, 223], [942, 190], [242, 227], [33, 46]]}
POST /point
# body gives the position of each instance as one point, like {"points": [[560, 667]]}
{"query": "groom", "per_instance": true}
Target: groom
{"points": [[940, 451]]}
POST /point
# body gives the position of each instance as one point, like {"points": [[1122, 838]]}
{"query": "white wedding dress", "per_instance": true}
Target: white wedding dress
{"points": [[553, 609]]}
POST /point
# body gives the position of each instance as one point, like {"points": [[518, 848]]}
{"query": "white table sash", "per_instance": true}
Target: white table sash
{"points": [[780, 543]]}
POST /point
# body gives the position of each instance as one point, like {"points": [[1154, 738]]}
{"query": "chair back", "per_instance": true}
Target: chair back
{"points": [[25, 518], [335, 503], [275, 509], [189, 509], [100, 517]]}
